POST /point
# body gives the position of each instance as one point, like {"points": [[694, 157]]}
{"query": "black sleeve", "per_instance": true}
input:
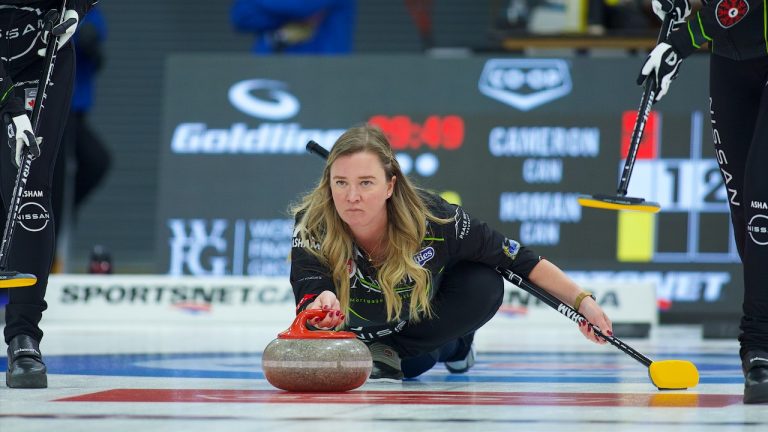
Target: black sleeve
{"points": [[309, 277], [713, 20], [470, 239], [8, 102]]}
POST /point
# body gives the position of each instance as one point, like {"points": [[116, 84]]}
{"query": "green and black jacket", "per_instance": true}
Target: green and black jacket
{"points": [[463, 239], [736, 29]]}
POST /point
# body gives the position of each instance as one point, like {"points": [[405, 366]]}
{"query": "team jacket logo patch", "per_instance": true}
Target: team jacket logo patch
{"points": [[425, 255], [730, 12]]}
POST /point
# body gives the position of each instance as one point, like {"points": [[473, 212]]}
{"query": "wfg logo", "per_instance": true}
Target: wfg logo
{"points": [[525, 83]]}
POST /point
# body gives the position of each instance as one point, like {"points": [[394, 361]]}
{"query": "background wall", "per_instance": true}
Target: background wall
{"points": [[127, 112]]}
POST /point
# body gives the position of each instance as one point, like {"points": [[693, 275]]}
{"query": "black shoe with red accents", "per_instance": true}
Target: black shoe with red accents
{"points": [[25, 364], [755, 366], [382, 372], [386, 364]]}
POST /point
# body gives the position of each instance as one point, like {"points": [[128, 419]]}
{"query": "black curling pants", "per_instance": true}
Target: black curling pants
{"points": [[32, 246], [739, 110], [469, 295]]}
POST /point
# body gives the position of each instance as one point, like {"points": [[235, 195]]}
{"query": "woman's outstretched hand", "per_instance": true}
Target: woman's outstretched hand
{"points": [[327, 301], [595, 315]]}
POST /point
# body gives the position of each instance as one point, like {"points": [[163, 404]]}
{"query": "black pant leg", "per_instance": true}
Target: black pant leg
{"points": [[32, 247], [469, 295], [734, 98], [739, 108], [754, 324]]}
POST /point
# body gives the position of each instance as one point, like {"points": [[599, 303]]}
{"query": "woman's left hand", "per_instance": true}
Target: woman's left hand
{"points": [[597, 317]]}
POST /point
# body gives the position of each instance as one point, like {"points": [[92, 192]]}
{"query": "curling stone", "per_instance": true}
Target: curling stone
{"points": [[301, 360]]}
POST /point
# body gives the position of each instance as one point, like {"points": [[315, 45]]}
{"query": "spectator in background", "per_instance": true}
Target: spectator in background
{"points": [[514, 15], [421, 12], [617, 16], [83, 160], [297, 26]]}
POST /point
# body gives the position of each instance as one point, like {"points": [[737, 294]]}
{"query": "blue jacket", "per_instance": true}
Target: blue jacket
{"points": [[329, 24], [87, 64]]}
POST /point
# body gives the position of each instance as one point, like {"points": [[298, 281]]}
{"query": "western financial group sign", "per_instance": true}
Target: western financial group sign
{"points": [[514, 140]]}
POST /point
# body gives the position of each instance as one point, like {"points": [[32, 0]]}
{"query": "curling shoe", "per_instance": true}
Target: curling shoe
{"points": [[464, 358], [25, 364], [386, 364], [755, 365]]}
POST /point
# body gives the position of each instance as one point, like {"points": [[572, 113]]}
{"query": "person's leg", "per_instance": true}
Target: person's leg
{"points": [[739, 108], [754, 323], [462, 358], [469, 295], [415, 366], [734, 115], [32, 247], [755, 257], [457, 354]]}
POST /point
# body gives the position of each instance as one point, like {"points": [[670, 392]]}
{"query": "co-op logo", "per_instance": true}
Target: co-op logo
{"points": [[525, 83], [263, 98]]}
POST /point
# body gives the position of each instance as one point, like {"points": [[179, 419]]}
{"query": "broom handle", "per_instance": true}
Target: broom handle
{"points": [[570, 313], [646, 102]]}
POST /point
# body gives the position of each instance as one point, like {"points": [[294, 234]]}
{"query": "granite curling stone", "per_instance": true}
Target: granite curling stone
{"points": [[302, 360]]}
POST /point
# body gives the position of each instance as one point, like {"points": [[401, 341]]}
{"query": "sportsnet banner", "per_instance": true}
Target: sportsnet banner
{"points": [[145, 299], [269, 302]]}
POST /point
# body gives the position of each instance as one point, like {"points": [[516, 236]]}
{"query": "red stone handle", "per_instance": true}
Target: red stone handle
{"points": [[299, 330]]}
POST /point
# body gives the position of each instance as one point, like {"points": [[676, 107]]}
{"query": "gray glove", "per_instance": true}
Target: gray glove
{"points": [[664, 63], [65, 30], [24, 136]]}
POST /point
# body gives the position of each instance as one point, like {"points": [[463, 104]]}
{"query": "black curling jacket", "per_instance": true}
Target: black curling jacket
{"points": [[736, 29], [463, 239]]}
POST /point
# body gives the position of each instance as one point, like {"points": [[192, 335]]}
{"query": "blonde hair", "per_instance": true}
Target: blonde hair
{"points": [[406, 228]]}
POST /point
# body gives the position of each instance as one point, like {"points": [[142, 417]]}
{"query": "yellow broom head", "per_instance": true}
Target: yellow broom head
{"points": [[615, 202], [673, 374], [14, 279]]}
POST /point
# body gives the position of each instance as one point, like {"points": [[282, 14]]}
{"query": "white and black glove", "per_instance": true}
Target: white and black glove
{"points": [[65, 29], [662, 7], [664, 64], [24, 135]]}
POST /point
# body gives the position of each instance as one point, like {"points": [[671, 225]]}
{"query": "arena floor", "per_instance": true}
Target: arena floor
{"points": [[150, 378]]}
